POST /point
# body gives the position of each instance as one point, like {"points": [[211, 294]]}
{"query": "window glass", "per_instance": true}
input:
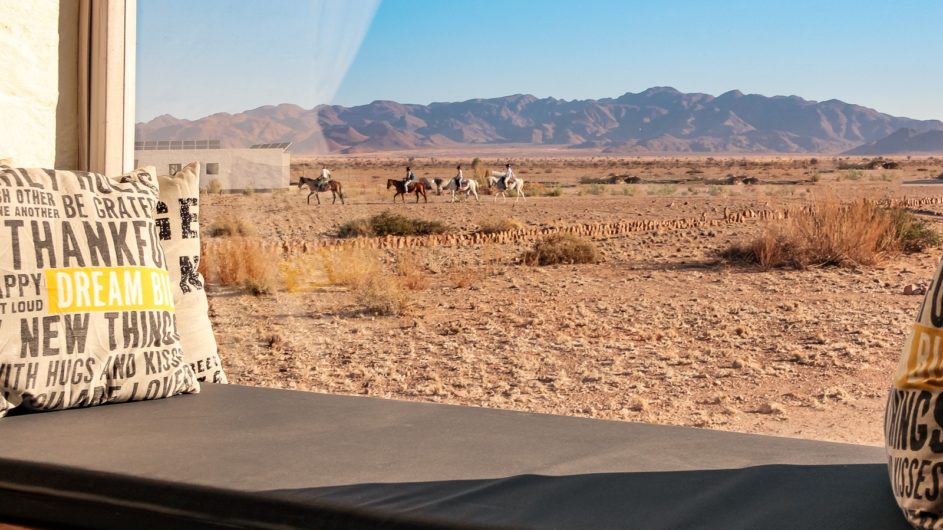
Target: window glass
{"points": [[640, 190]]}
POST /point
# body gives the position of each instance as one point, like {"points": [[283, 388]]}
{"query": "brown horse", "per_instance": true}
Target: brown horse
{"points": [[418, 188], [332, 185]]}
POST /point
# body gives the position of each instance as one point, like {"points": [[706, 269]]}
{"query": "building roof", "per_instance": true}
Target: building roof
{"points": [[279, 145], [175, 145]]}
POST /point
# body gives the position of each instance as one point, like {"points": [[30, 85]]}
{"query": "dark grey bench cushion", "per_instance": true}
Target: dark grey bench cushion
{"points": [[245, 456]]}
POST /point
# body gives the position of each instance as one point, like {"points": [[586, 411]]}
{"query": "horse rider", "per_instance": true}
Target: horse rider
{"points": [[460, 179], [508, 177], [325, 177], [410, 179]]}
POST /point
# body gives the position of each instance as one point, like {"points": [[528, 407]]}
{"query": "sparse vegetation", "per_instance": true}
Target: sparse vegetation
{"points": [[562, 249], [389, 223], [835, 234]]}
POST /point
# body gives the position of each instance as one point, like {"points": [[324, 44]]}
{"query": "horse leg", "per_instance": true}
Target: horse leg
{"points": [[318, 197], [309, 197]]}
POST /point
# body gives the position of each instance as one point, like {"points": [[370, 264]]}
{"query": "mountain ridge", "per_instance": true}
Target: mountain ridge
{"points": [[658, 120]]}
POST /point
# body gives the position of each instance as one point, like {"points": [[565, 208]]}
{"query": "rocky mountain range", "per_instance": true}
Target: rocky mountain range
{"points": [[656, 121], [904, 141]]}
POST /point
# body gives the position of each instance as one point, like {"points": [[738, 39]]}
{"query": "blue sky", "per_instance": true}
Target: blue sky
{"points": [[200, 57]]}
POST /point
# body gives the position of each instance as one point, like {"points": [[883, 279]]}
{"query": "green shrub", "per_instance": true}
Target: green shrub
{"points": [[912, 233], [392, 224]]}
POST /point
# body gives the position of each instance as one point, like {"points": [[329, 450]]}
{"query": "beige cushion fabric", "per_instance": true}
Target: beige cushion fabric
{"points": [[913, 424], [86, 302], [178, 218]]}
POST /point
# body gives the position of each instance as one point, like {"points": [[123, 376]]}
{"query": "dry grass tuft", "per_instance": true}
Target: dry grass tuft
{"points": [[562, 249], [832, 234], [216, 186], [231, 226], [241, 262], [500, 224], [382, 296]]}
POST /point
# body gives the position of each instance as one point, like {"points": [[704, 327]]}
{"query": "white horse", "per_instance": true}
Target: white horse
{"points": [[471, 188], [494, 181]]}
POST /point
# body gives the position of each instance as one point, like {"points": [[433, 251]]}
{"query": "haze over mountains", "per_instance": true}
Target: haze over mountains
{"points": [[659, 120]]}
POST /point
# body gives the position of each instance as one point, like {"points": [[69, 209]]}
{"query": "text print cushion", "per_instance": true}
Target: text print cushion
{"points": [[913, 422], [86, 303], [178, 219]]}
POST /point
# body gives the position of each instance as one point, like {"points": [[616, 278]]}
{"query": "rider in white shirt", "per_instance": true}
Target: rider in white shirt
{"points": [[325, 176], [508, 177], [460, 178], [410, 179]]}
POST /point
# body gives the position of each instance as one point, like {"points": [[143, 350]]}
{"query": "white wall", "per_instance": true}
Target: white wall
{"points": [[30, 83], [259, 169]]}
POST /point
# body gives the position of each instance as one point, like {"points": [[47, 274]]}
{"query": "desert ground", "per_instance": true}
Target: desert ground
{"points": [[661, 330]]}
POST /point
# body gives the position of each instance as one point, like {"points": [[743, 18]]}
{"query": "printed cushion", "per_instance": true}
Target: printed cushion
{"points": [[178, 218], [86, 302], [913, 422]]}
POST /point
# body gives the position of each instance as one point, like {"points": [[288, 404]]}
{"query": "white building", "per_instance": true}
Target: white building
{"points": [[262, 167]]}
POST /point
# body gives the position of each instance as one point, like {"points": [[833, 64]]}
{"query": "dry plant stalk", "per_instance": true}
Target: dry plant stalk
{"points": [[241, 262], [374, 290], [410, 272]]}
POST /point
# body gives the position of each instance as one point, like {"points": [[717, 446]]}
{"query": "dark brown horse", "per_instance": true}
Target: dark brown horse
{"points": [[332, 185], [418, 188]]}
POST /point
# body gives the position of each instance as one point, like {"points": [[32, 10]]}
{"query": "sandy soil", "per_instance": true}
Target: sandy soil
{"points": [[659, 332]]}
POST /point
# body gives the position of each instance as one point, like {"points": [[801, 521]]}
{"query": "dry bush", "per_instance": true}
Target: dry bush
{"points": [[231, 226], [216, 186], [562, 248], [499, 224], [465, 277], [409, 272], [302, 273], [374, 290], [241, 262], [348, 266], [839, 235], [382, 296]]}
